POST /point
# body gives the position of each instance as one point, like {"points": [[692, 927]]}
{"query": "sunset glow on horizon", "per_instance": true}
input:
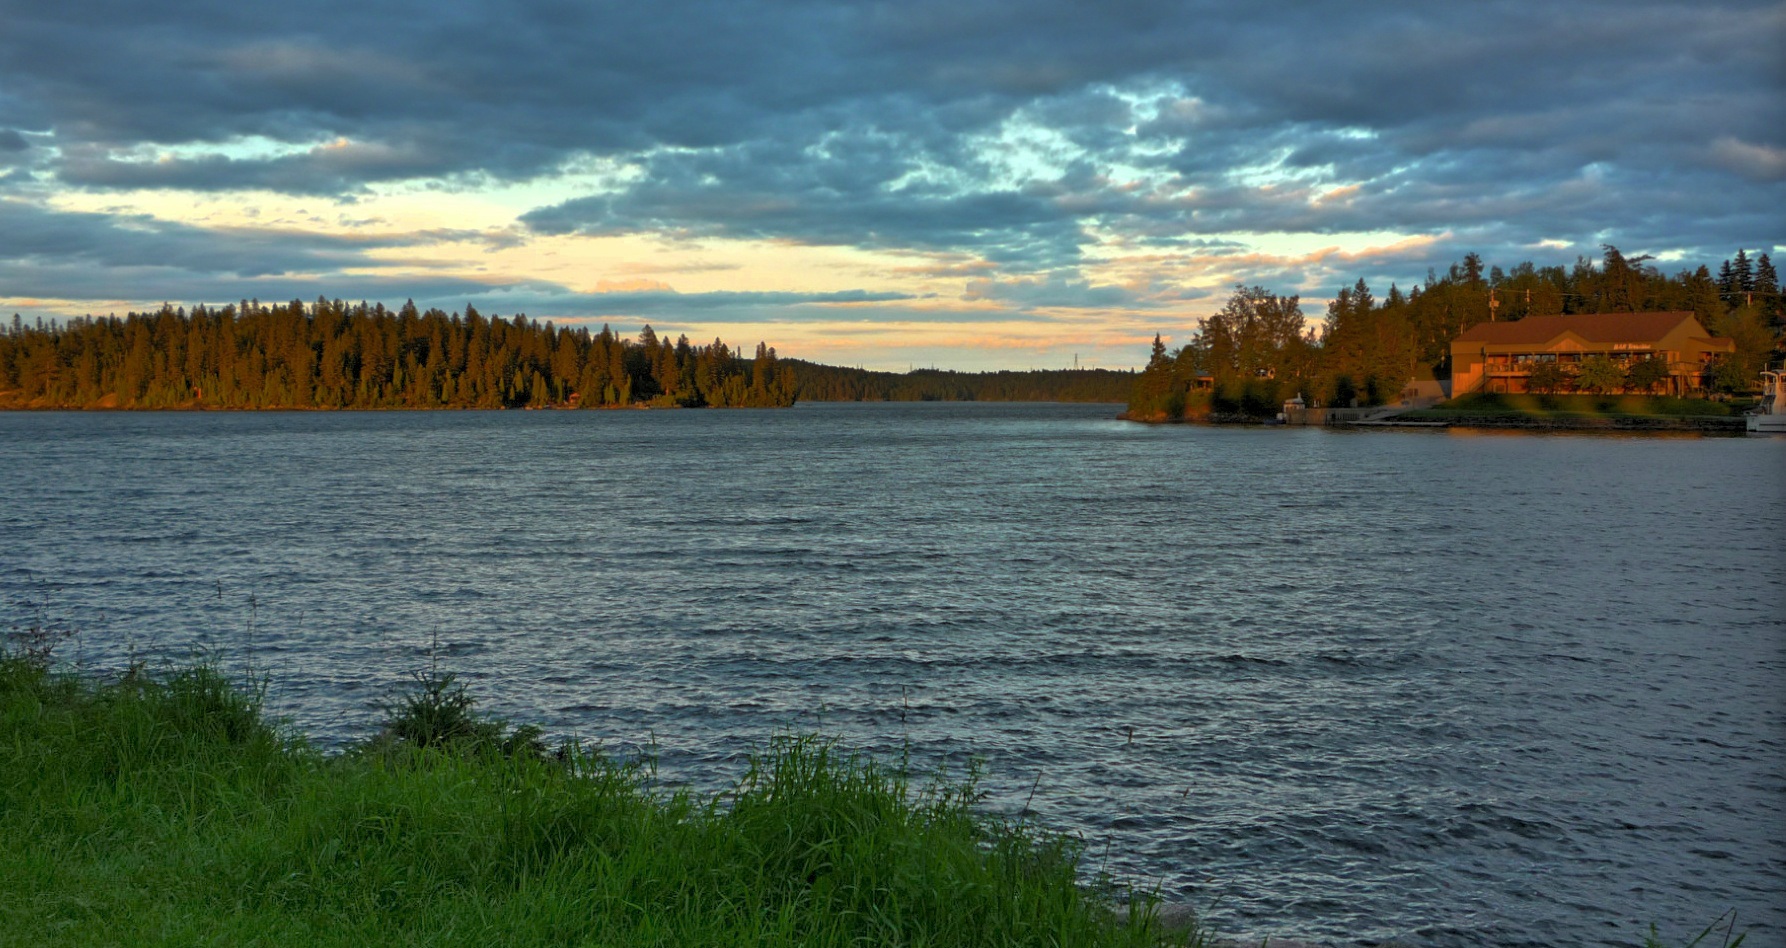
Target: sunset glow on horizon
{"points": [[974, 186]]}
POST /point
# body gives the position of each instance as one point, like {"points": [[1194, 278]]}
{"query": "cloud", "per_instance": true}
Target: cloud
{"points": [[1016, 148], [1054, 290], [35, 235], [637, 285], [1759, 162], [143, 286], [339, 167], [655, 300]]}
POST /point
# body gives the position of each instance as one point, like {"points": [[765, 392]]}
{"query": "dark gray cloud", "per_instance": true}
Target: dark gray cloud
{"points": [[1011, 132], [679, 309], [323, 170], [845, 196], [145, 282], [47, 254], [694, 304], [34, 235], [1058, 290]]}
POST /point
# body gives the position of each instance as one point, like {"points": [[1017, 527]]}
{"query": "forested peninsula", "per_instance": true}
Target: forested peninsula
{"points": [[331, 354], [334, 355], [1258, 350]]}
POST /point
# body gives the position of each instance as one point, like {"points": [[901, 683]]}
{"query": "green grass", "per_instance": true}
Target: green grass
{"points": [[1590, 406], [166, 810], [1727, 922]]}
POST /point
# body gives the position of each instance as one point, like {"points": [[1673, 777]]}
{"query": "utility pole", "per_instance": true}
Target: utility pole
{"points": [[1492, 304]]}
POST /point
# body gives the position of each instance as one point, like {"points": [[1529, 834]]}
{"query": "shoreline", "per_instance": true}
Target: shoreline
{"points": [[466, 829], [640, 406], [1700, 424]]}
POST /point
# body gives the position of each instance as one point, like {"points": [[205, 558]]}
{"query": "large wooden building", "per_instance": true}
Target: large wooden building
{"points": [[1499, 357]]}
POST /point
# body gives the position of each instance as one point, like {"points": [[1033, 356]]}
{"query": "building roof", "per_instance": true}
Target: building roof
{"points": [[1593, 327]]}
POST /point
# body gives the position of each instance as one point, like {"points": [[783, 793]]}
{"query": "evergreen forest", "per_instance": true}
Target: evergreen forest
{"points": [[331, 354], [334, 355], [1256, 351]]}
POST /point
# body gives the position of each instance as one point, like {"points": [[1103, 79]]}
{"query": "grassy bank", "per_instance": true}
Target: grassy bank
{"points": [[1583, 412], [1582, 406], [166, 810]]}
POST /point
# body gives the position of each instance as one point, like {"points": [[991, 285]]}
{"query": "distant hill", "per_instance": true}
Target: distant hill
{"points": [[830, 383]]}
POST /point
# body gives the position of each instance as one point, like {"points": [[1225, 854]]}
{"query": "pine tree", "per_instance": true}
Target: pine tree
{"points": [[761, 371], [1472, 270], [1766, 280], [1767, 290], [1362, 301], [1743, 274], [1702, 295]]}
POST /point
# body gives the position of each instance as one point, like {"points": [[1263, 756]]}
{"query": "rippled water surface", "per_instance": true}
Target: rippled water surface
{"points": [[1443, 688]]}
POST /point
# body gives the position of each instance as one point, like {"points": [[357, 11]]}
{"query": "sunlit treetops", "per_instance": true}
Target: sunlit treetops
{"points": [[331, 354], [1254, 352]]}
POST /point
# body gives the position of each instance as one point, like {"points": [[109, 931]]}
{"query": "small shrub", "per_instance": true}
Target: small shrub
{"points": [[1260, 398], [35, 642], [201, 701], [1727, 920], [437, 712], [1546, 378], [1377, 389], [1225, 397], [1174, 406], [1600, 375]]}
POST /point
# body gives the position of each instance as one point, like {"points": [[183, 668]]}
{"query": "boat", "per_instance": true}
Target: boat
{"points": [[1769, 417]]}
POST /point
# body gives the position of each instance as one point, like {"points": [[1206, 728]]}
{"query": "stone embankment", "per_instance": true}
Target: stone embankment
{"points": [[1702, 424], [1199, 418], [1406, 417], [1397, 417]]}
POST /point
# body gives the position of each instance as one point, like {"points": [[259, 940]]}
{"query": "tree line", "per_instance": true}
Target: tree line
{"points": [[1255, 352], [331, 354]]}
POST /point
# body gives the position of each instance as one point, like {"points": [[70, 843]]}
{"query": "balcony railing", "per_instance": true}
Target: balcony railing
{"points": [[1525, 368]]}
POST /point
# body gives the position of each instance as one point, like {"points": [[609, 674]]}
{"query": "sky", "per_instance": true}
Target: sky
{"points": [[959, 183]]}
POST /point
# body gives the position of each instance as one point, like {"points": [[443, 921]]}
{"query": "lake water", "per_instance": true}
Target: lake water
{"points": [[1446, 688]]}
